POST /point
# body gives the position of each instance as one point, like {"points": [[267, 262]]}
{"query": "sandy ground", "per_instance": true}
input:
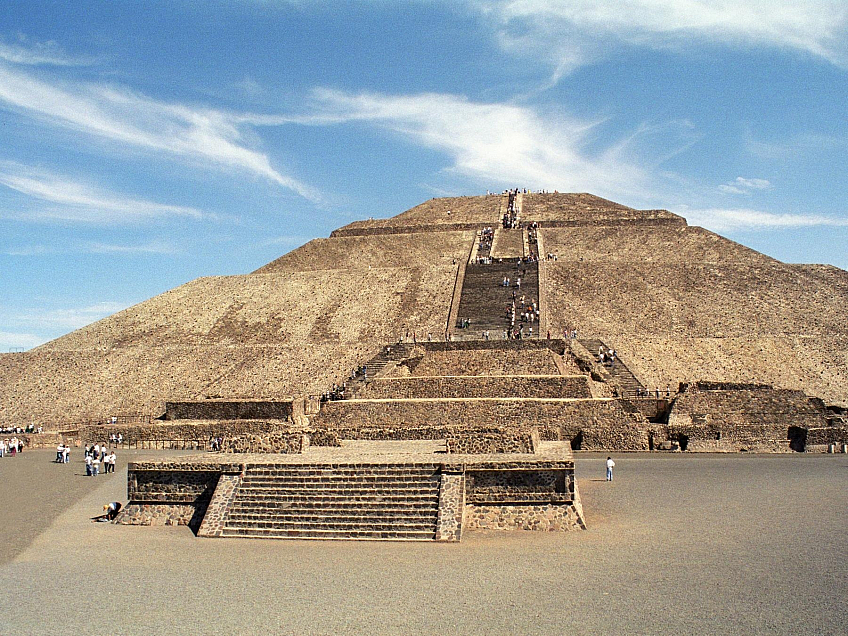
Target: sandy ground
{"points": [[677, 544]]}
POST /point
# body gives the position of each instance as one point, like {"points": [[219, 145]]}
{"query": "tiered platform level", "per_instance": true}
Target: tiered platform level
{"points": [[403, 491]]}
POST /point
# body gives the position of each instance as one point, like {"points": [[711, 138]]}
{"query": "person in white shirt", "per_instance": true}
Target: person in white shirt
{"points": [[610, 465]]}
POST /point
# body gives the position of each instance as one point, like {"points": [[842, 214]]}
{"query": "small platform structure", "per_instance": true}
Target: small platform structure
{"points": [[371, 490]]}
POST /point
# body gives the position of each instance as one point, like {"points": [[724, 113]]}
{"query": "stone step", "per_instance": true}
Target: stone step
{"points": [[310, 491], [347, 517], [619, 372], [323, 495], [342, 474], [339, 468], [400, 482], [333, 525], [362, 535], [422, 504]]}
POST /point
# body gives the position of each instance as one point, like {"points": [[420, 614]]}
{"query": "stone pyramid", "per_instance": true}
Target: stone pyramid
{"points": [[679, 304]]}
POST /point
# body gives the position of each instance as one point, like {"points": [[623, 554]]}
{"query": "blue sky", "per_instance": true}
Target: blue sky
{"points": [[145, 144]]}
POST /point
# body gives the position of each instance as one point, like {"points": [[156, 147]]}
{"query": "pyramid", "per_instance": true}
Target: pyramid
{"points": [[682, 307]]}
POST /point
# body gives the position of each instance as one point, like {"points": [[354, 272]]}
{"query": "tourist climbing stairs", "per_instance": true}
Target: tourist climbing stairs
{"points": [[331, 501], [621, 376], [484, 300], [376, 365]]}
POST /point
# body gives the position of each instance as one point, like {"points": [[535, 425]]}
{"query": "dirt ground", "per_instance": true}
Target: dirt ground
{"points": [[676, 544]]}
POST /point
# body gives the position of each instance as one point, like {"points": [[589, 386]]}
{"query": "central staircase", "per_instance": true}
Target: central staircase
{"points": [[484, 299], [354, 501]]}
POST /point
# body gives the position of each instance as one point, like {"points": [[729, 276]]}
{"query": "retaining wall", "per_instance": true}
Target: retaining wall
{"points": [[472, 413], [184, 431], [228, 410], [479, 386]]}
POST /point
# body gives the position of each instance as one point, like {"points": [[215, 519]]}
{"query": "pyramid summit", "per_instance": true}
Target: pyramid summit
{"points": [[680, 305]]}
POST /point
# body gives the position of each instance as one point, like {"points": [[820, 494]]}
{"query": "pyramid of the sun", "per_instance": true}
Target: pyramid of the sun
{"points": [[678, 303]]}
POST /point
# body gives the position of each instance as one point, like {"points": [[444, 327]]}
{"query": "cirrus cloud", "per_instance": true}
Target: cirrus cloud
{"points": [[724, 220], [571, 33], [74, 201], [503, 142], [126, 117], [741, 185]]}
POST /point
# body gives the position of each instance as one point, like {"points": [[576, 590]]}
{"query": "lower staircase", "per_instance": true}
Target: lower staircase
{"points": [[621, 375], [376, 365], [357, 501]]}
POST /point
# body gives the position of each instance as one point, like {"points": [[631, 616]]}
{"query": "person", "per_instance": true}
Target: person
{"points": [[110, 511], [88, 468], [112, 459], [610, 465]]}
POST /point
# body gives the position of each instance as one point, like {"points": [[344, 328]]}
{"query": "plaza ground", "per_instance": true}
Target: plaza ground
{"points": [[676, 544]]}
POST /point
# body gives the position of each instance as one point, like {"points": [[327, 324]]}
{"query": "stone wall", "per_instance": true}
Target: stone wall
{"points": [[172, 486], [282, 443], [482, 442], [541, 517], [519, 486], [625, 436], [228, 410], [763, 438], [721, 416], [161, 514], [176, 495], [216, 511], [188, 431], [451, 505], [487, 357], [479, 386], [350, 415], [820, 439]]}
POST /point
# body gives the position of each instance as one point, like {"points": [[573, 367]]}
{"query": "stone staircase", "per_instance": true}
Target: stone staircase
{"points": [[484, 299], [621, 375], [336, 501], [376, 365]]}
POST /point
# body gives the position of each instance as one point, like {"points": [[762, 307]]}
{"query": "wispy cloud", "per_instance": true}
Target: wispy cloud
{"points": [[61, 319], [804, 144], [570, 33], [153, 247], [31, 53], [723, 220], [285, 241], [30, 327], [124, 116], [27, 250], [741, 185], [498, 142], [74, 201], [92, 247], [11, 340]]}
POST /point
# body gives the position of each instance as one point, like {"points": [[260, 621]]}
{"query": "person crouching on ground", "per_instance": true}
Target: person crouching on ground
{"points": [[110, 511]]}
